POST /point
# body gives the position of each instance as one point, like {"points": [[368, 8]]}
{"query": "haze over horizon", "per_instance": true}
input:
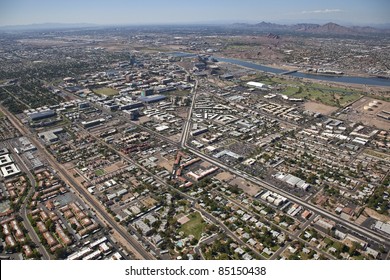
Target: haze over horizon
{"points": [[119, 12]]}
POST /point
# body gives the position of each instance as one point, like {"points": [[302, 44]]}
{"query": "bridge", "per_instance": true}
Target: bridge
{"points": [[288, 72]]}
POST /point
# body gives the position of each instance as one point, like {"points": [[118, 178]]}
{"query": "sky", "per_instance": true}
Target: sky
{"points": [[112, 12]]}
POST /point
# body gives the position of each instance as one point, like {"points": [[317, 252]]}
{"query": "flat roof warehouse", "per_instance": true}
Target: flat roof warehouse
{"points": [[151, 98], [41, 115]]}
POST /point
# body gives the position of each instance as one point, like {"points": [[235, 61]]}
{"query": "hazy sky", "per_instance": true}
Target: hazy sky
{"points": [[16, 12]]}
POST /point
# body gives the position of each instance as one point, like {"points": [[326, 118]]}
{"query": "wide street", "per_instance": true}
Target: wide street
{"points": [[128, 240]]}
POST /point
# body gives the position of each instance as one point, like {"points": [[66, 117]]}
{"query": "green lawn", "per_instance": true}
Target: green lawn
{"points": [[337, 96], [265, 255], [99, 172], [106, 91], [328, 241], [194, 226], [290, 90], [284, 81], [329, 96]]}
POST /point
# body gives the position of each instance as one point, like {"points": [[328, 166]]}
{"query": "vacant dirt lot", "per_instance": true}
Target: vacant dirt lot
{"points": [[319, 108], [165, 163], [224, 176], [245, 186], [114, 167]]}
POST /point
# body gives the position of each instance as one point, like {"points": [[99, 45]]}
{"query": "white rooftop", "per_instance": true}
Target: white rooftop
{"points": [[256, 84]]}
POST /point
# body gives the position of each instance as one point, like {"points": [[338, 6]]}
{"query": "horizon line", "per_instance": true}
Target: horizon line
{"points": [[221, 22]]}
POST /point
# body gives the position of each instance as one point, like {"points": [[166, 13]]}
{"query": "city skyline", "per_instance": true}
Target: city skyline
{"points": [[119, 12]]}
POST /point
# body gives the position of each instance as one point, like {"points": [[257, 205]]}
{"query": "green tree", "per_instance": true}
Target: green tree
{"points": [[61, 253]]}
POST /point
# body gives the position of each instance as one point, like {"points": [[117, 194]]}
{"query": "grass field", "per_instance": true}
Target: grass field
{"points": [[99, 172], [106, 91], [290, 90], [278, 80], [338, 97], [194, 226], [1, 114], [329, 95]]}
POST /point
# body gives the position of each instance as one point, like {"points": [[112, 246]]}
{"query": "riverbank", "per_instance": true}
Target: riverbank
{"points": [[367, 81], [344, 79]]}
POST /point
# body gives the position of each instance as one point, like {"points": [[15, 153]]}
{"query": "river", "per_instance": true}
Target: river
{"points": [[372, 81]]}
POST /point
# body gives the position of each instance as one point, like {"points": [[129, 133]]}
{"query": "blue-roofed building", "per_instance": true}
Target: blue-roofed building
{"points": [[151, 98]]}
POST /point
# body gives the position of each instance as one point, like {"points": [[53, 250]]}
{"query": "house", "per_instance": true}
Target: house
{"points": [[247, 257], [251, 242], [239, 251], [268, 251]]}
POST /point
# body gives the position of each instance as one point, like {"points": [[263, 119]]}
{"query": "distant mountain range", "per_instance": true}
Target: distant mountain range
{"points": [[46, 26], [328, 28]]}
